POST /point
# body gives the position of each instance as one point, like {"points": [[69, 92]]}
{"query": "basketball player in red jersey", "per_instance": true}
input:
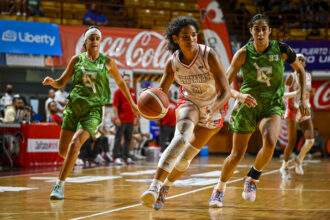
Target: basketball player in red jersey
{"points": [[204, 93]]}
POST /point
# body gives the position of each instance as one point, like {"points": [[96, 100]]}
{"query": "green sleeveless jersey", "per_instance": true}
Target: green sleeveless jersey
{"points": [[91, 81], [263, 72]]}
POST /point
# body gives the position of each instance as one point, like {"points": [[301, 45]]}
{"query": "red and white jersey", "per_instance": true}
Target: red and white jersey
{"points": [[196, 80], [293, 103], [295, 86], [197, 85]]}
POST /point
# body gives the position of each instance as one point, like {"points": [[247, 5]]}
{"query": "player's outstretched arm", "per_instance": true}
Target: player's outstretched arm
{"points": [[64, 78]]}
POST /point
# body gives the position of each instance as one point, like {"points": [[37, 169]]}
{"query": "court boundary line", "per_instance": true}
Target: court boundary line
{"points": [[170, 197]]}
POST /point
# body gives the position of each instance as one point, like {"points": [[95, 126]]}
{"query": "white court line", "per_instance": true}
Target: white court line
{"points": [[171, 197]]}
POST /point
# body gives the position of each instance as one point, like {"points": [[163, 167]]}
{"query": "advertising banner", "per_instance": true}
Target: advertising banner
{"points": [[131, 48], [24, 37], [24, 60], [215, 30], [321, 98], [317, 53]]}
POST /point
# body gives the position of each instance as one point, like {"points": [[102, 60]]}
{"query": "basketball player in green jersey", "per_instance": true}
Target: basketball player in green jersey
{"points": [[90, 91], [259, 103]]}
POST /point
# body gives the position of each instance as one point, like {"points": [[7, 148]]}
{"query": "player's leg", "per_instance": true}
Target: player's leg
{"points": [[292, 138], [308, 130], [270, 128], [187, 118], [240, 143], [200, 138], [79, 138], [65, 139]]}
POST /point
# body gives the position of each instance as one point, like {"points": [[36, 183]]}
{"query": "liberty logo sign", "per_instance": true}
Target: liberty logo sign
{"points": [[9, 35], [26, 37]]}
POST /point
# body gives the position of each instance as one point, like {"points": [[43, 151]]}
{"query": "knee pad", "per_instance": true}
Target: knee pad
{"points": [[185, 158], [183, 132]]}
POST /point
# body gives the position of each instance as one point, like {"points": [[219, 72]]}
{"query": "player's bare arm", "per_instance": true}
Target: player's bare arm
{"points": [[236, 64], [221, 82], [168, 77], [64, 78], [302, 82]]}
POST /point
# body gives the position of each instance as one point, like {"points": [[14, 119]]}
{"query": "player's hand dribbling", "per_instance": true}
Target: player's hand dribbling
{"points": [[48, 81], [247, 100], [304, 109]]}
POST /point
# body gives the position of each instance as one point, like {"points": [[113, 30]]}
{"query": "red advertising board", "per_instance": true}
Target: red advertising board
{"points": [[321, 98], [131, 48]]}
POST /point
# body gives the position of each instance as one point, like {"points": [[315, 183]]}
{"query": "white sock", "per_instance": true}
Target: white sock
{"points": [[156, 183], [221, 185], [60, 182], [168, 183], [285, 164]]}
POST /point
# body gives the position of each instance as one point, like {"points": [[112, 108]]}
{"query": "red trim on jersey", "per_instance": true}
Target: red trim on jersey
{"points": [[193, 62]]}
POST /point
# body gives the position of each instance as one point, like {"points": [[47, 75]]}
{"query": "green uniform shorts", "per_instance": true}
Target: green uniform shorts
{"points": [[79, 115], [245, 120]]}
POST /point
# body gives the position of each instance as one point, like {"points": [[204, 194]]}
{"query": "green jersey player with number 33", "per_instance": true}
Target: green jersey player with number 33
{"points": [[259, 103], [90, 91]]}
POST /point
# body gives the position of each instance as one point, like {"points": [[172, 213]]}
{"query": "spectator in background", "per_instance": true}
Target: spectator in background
{"points": [[51, 98], [35, 117], [94, 17], [167, 125], [124, 121], [7, 98], [318, 148], [34, 8], [52, 107], [14, 112], [61, 98], [108, 130]]}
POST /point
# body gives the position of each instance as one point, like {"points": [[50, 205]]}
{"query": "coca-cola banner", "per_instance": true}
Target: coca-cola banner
{"points": [[321, 98], [134, 49], [215, 30]]}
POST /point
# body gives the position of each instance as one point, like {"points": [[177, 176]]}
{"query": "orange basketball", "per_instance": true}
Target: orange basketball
{"points": [[153, 104]]}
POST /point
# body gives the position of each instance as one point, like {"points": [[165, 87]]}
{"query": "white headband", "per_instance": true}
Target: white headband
{"points": [[301, 55], [92, 31]]}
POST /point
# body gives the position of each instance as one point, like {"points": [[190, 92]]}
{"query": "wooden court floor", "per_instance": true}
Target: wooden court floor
{"points": [[112, 192]]}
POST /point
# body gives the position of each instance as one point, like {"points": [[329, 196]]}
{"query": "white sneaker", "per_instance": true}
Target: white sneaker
{"points": [[285, 172], [250, 189], [99, 159], [129, 161], [118, 161], [299, 170], [148, 198], [108, 157], [79, 162]]}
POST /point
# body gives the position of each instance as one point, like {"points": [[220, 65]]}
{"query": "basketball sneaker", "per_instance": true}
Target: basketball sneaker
{"points": [[118, 161], [57, 192], [149, 197], [250, 189], [298, 167], [216, 198], [161, 197], [285, 172]]}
